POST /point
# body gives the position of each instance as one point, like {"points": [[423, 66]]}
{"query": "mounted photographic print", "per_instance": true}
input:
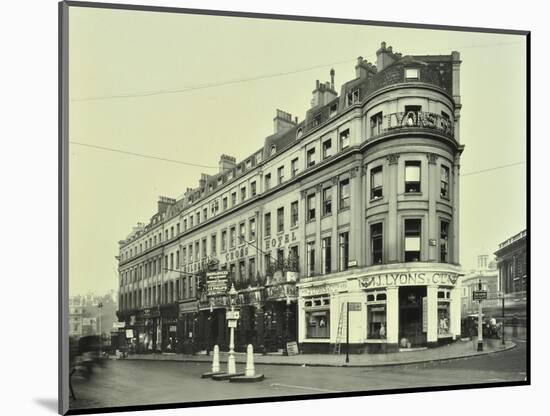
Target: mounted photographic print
{"points": [[268, 208]]}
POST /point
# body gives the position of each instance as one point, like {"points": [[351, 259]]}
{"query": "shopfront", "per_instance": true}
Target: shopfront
{"points": [[279, 316], [168, 334], [187, 326], [151, 323], [393, 310]]}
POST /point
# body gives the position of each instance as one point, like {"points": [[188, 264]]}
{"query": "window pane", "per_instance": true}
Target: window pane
{"points": [[412, 173]]}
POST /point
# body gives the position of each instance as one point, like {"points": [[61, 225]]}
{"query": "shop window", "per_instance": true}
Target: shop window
{"points": [[311, 258], [327, 201], [444, 316], [344, 139], [444, 242], [311, 207], [376, 190], [294, 214], [318, 320], [343, 240], [444, 182], [412, 239], [310, 157], [294, 167], [280, 220], [376, 243], [344, 194], [327, 148], [376, 316], [326, 256], [376, 124], [412, 176]]}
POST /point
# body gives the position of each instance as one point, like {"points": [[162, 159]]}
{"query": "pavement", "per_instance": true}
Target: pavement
{"points": [[456, 350]]}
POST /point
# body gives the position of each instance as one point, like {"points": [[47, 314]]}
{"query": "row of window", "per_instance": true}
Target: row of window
{"points": [[412, 185]]}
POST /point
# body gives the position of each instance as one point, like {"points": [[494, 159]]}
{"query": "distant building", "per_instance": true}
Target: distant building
{"points": [[75, 316], [487, 273], [512, 269]]}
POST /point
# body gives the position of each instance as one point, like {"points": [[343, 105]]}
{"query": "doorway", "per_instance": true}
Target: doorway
{"points": [[411, 333]]}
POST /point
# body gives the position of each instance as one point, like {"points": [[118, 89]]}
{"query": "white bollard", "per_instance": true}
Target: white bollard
{"points": [[249, 371], [216, 360]]}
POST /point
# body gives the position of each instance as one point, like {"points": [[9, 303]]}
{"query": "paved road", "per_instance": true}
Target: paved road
{"points": [[126, 382]]}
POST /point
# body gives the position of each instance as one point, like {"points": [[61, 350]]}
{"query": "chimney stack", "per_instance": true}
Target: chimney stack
{"points": [[227, 163], [323, 92], [283, 121], [163, 203], [385, 56]]}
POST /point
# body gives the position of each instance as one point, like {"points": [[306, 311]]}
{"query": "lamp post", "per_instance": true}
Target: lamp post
{"points": [[232, 323], [99, 306], [210, 338], [287, 324], [502, 324], [479, 322]]}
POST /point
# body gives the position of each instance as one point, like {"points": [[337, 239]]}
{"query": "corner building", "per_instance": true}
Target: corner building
{"points": [[357, 204]]}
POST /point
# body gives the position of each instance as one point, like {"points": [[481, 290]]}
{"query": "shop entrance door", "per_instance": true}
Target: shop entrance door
{"points": [[410, 317]]}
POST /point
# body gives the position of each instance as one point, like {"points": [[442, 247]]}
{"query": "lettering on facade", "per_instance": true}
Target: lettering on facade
{"points": [[280, 240], [236, 254], [324, 289], [409, 279]]}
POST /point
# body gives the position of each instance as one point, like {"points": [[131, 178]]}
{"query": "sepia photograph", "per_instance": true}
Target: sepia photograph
{"points": [[265, 207]]}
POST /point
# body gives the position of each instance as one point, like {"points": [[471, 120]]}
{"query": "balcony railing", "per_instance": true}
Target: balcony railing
{"points": [[411, 120]]}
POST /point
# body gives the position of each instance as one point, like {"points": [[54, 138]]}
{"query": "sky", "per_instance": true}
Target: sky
{"points": [[190, 88]]}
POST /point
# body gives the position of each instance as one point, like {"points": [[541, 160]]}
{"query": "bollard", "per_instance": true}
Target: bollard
{"points": [[249, 371], [216, 360]]}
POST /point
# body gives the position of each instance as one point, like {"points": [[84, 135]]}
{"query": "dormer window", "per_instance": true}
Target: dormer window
{"points": [[353, 97], [299, 133], [317, 120], [333, 110], [273, 150], [248, 164], [412, 74]]}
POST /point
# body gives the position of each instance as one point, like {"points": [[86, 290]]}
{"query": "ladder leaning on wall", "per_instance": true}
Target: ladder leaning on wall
{"points": [[341, 326]]}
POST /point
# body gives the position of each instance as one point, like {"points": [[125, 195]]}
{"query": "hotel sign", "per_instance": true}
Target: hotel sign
{"points": [[409, 279], [280, 240]]}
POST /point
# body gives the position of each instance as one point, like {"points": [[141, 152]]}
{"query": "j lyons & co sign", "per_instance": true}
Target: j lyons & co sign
{"points": [[409, 279]]}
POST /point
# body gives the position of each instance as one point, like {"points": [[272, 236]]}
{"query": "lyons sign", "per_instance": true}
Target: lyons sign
{"points": [[409, 279]]}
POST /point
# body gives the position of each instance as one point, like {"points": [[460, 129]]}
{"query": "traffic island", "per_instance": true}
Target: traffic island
{"points": [[247, 379], [225, 376]]}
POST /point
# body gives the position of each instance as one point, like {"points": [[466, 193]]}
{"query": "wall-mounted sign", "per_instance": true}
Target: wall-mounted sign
{"points": [[232, 315], [409, 279], [129, 333], [479, 295], [323, 289], [352, 263], [232, 323], [354, 306], [216, 283]]}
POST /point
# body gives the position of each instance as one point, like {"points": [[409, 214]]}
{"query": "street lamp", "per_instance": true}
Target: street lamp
{"points": [[232, 323], [99, 306], [287, 324]]}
